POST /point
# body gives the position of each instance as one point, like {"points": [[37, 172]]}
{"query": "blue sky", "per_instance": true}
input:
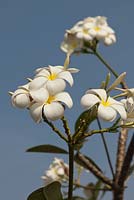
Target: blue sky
{"points": [[30, 35]]}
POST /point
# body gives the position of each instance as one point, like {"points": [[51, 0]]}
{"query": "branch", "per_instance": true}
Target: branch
{"points": [[94, 169], [127, 162]]}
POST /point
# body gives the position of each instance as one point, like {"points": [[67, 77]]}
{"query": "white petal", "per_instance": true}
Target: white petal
{"points": [[36, 112], [55, 86], [37, 83], [25, 87], [89, 100], [54, 69], [92, 32], [65, 98], [73, 70], [40, 95], [101, 34], [66, 76], [121, 110], [53, 111], [100, 92], [60, 171], [106, 113], [19, 91], [21, 101], [43, 72]]}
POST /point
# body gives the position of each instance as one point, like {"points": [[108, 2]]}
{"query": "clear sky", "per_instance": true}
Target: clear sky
{"points": [[30, 35]]}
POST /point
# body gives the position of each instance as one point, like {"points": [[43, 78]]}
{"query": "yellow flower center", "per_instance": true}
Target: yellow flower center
{"points": [[85, 31], [105, 103], [50, 99], [96, 28], [52, 77]]}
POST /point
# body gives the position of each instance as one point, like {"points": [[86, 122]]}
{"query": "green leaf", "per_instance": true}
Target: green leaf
{"points": [[47, 148], [37, 195], [52, 191], [85, 119], [77, 160], [97, 191]]}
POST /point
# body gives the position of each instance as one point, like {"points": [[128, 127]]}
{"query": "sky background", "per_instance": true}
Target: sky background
{"points": [[30, 35]]}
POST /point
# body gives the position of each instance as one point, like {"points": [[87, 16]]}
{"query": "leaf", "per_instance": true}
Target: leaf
{"points": [[77, 160], [97, 191], [85, 118], [37, 195], [49, 192], [107, 80], [47, 148], [117, 82], [52, 191]]}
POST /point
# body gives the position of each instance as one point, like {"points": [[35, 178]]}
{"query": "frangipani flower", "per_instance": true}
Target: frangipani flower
{"points": [[71, 42], [51, 105], [21, 98], [58, 171], [108, 107], [51, 77], [129, 105], [84, 32]]}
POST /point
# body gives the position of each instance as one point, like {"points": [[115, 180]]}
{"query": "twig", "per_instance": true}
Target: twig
{"points": [[126, 163], [94, 170], [106, 149]]}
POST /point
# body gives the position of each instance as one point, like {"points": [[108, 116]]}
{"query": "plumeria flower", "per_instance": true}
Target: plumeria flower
{"points": [[21, 97], [53, 78], [100, 28], [129, 105], [109, 39], [51, 105], [58, 171], [108, 107], [71, 42], [86, 31]]}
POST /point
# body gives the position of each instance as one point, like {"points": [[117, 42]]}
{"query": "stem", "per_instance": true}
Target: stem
{"points": [[99, 174], [71, 162], [54, 129], [105, 63], [120, 153], [66, 127], [106, 149], [123, 84], [127, 162], [92, 188]]}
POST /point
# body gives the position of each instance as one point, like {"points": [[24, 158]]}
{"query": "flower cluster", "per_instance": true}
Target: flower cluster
{"points": [[45, 93], [84, 32], [58, 171], [108, 107]]}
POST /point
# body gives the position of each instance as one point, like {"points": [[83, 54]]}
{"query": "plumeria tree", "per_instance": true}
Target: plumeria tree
{"points": [[46, 100]]}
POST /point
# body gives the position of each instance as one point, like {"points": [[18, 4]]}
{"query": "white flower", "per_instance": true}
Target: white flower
{"points": [[58, 171], [129, 105], [109, 39], [21, 98], [108, 107], [50, 105], [87, 30], [53, 78], [71, 43]]}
